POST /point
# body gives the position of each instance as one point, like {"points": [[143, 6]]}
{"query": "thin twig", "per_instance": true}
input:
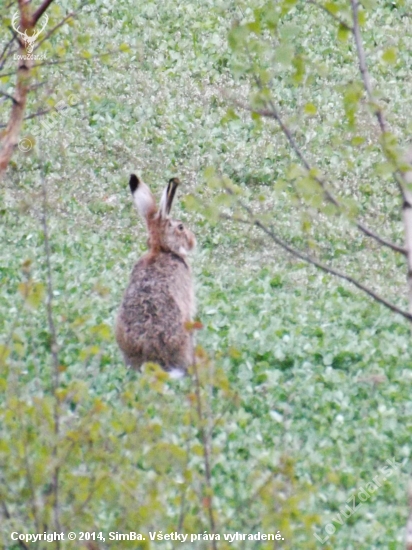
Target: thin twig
{"points": [[381, 240], [54, 354], [39, 12], [44, 112], [29, 476], [80, 508], [334, 272], [64, 61], [10, 4], [399, 174], [3, 55], [331, 14], [7, 515], [206, 453], [61, 23], [320, 265], [363, 66], [273, 113], [184, 486], [50, 320], [8, 96], [220, 416], [13, 326], [252, 498]]}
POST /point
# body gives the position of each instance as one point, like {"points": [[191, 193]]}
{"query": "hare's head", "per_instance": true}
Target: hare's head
{"points": [[165, 234]]}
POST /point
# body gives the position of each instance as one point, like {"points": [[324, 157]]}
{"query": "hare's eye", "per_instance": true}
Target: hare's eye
{"points": [[180, 227]]}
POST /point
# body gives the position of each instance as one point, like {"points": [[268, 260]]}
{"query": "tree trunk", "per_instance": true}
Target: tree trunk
{"points": [[24, 72]]}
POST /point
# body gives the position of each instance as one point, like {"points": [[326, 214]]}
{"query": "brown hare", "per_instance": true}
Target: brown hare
{"points": [[159, 301]]}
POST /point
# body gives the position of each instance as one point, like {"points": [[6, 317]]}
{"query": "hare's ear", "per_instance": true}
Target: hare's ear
{"points": [[142, 197], [167, 197]]}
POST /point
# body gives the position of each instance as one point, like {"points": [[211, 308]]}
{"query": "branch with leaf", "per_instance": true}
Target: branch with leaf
{"points": [[253, 220], [205, 441], [27, 18], [263, 105], [401, 169]]}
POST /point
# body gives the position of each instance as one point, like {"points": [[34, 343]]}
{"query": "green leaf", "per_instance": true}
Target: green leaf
{"points": [[357, 140], [254, 27], [32, 293], [295, 171], [284, 54], [310, 109], [88, 352], [270, 15], [289, 31], [332, 8], [389, 56], [4, 353], [343, 33], [362, 18], [384, 168], [299, 66], [209, 172], [237, 37], [229, 116], [103, 331]]}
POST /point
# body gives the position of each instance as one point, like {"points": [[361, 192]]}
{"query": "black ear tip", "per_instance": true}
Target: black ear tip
{"points": [[134, 183], [175, 181]]}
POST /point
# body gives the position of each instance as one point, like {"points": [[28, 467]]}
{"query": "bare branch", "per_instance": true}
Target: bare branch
{"points": [[381, 240], [273, 113], [400, 176], [64, 61], [39, 12], [80, 508], [14, 324], [61, 23], [30, 478], [206, 452], [7, 515], [7, 96], [182, 507], [320, 265], [42, 112], [245, 504], [10, 4], [331, 14], [363, 66], [54, 353], [4, 55], [333, 271], [50, 320]]}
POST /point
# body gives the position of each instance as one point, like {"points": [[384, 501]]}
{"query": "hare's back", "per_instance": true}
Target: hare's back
{"points": [[155, 292], [151, 323]]}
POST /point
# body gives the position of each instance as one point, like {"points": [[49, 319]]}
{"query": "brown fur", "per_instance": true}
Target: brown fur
{"points": [[159, 299]]}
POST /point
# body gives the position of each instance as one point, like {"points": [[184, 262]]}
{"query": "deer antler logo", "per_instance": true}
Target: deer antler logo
{"points": [[29, 40]]}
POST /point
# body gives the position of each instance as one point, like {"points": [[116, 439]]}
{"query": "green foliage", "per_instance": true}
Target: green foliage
{"points": [[305, 386]]}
